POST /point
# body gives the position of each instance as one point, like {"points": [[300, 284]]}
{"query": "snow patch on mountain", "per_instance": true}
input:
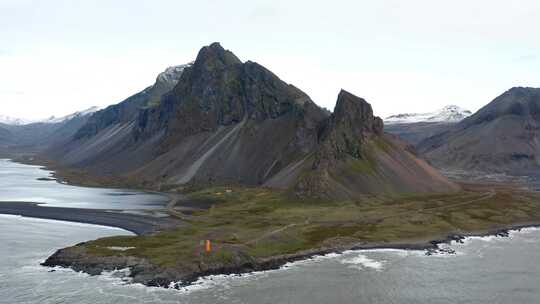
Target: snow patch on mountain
{"points": [[51, 120], [448, 114], [172, 74], [83, 113]]}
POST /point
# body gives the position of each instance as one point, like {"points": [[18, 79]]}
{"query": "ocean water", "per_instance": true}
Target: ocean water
{"points": [[20, 183], [483, 270]]}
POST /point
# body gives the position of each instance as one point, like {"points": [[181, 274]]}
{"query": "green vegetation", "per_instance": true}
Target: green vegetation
{"points": [[382, 144], [368, 164], [251, 223]]}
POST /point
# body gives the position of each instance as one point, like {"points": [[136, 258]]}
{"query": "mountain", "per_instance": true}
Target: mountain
{"points": [[224, 120], [503, 136], [448, 114], [228, 122], [414, 128]]}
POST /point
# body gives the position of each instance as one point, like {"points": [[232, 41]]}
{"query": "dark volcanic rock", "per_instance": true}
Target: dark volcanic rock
{"points": [[350, 125]]}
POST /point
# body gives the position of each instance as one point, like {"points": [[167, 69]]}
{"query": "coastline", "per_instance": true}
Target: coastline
{"points": [[143, 272]]}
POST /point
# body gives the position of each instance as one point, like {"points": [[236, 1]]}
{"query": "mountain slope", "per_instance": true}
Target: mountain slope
{"points": [[415, 133], [107, 130], [503, 136], [230, 122]]}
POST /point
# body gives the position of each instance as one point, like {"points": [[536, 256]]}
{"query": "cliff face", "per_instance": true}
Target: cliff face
{"points": [[502, 137], [348, 129], [356, 157], [231, 122]]}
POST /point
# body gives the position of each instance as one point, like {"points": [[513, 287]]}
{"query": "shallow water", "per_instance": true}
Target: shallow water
{"points": [[21, 183], [483, 270]]}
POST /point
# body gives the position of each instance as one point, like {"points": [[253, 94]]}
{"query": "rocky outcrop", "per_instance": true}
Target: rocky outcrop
{"points": [[348, 129]]}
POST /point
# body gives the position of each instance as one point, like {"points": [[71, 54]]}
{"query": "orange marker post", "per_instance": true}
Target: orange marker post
{"points": [[208, 246]]}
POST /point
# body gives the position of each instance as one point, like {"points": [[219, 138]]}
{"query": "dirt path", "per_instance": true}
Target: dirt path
{"points": [[486, 196], [271, 233]]}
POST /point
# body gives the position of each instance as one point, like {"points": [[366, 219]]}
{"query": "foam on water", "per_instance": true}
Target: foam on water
{"points": [[362, 262]]}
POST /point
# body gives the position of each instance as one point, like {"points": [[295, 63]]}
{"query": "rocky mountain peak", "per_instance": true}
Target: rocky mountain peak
{"points": [[347, 128], [356, 113], [220, 90], [215, 56]]}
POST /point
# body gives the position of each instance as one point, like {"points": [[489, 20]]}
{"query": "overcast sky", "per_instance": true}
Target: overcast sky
{"points": [[57, 57]]}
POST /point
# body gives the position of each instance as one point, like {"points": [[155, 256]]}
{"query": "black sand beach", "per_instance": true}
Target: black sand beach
{"points": [[136, 223]]}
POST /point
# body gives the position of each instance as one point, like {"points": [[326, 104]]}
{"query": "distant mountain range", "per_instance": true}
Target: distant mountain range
{"points": [[448, 114], [414, 127], [7, 120], [26, 137]]}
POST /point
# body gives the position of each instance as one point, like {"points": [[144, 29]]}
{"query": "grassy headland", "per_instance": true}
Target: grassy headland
{"points": [[250, 225]]}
